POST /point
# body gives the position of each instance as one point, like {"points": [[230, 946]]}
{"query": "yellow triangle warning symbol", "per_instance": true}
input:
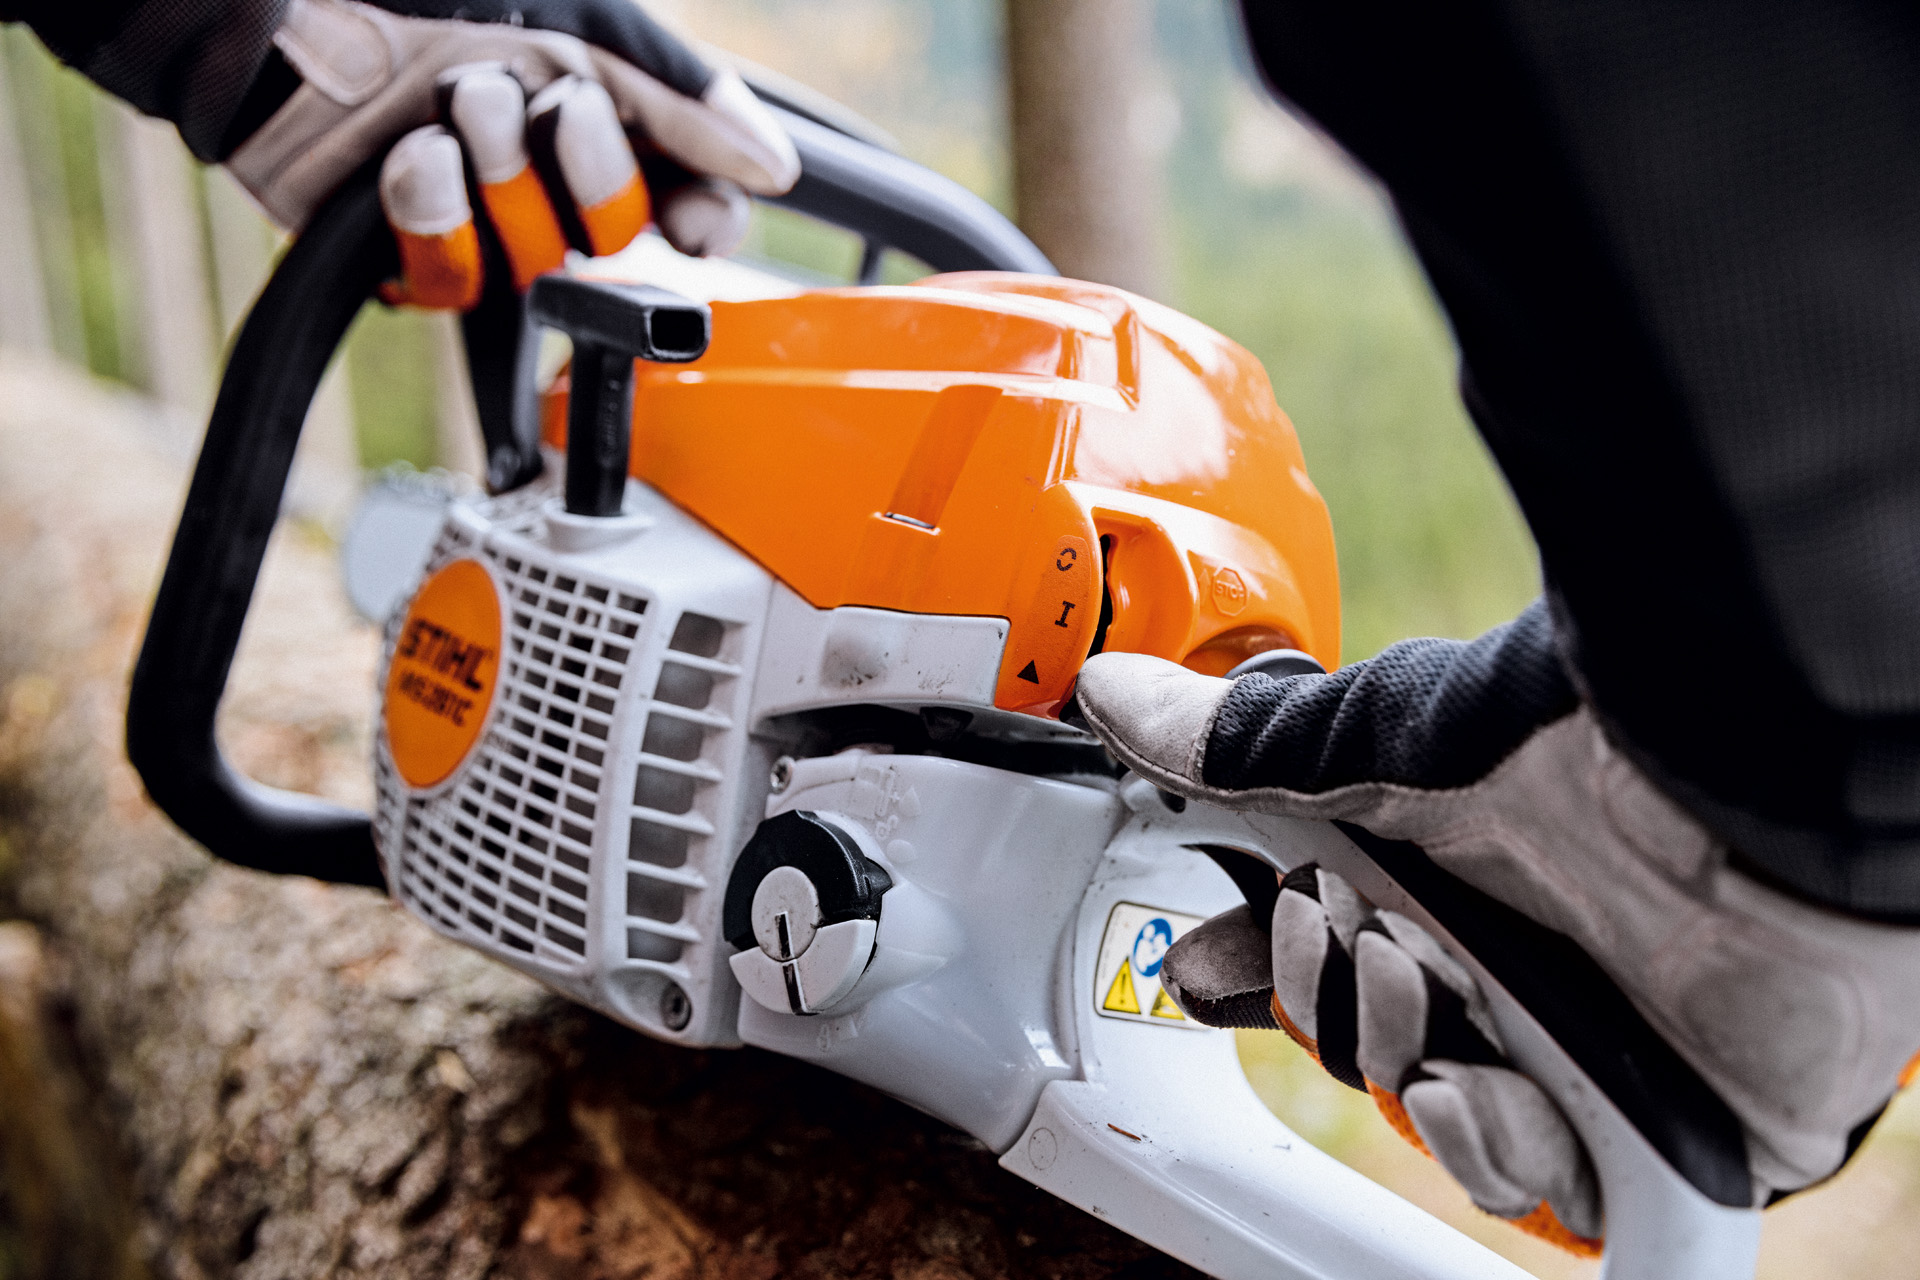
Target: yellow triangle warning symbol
{"points": [[1120, 997], [1165, 1008]]}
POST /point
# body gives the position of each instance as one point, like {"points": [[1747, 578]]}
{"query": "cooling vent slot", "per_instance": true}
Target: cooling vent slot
{"points": [[670, 815], [505, 855]]}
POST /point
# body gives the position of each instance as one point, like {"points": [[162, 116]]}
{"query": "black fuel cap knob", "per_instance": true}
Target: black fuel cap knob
{"points": [[802, 908]]}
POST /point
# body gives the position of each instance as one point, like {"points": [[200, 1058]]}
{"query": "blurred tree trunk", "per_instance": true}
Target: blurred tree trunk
{"points": [[1085, 180], [243, 243], [208, 1072], [32, 71], [326, 470]]}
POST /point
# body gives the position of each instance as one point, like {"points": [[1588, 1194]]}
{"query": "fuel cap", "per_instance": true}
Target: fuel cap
{"points": [[803, 908]]}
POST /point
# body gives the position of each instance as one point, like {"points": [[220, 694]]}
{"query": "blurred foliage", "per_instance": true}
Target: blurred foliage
{"points": [[391, 378], [57, 110]]}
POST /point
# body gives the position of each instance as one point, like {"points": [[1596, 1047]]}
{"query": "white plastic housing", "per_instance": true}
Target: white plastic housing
{"points": [[651, 673], [588, 839]]}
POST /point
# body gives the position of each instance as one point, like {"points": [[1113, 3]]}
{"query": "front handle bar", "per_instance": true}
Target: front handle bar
{"points": [[233, 502]]}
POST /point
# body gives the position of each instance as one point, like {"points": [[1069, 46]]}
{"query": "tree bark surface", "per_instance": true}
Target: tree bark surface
{"points": [[209, 1072]]}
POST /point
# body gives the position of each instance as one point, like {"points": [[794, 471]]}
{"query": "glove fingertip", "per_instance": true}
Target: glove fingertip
{"points": [[529, 231], [729, 95], [581, 153], [705, 219], [424, 197]]}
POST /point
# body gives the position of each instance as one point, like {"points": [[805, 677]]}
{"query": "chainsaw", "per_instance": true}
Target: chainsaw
{"points": [[731, 710]]}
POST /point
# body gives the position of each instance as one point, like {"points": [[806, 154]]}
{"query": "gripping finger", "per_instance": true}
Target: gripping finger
{"points": [[1432, 1059], [1505, 1142], [705, 217], [725, 131], [423, 192], [1316, 925], [581, 152], [487, 109]]}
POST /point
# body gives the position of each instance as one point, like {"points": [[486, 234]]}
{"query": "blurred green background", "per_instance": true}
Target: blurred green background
{"points": [[1268, 235]]}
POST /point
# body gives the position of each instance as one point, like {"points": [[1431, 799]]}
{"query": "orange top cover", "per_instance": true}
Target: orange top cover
{"points": [[1085, 463]]}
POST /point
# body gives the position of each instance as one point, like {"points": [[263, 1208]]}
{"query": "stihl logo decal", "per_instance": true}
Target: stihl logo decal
{"points": [[440, 685], [449, 656]]}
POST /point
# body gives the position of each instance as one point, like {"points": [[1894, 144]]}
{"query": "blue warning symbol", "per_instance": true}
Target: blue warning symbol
{"points": [[1150, 947]]}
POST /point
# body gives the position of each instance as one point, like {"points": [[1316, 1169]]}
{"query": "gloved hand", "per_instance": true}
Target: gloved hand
{"points": [[1802, 1020], [543, 95]]}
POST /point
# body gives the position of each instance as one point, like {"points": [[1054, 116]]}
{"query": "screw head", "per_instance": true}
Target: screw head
{"points": [[782, 774], [676, 1007]]}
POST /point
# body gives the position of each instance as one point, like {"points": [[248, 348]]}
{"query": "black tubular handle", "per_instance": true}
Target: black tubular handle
{"points": [[283, 349], [232, 504], [897, 204]]}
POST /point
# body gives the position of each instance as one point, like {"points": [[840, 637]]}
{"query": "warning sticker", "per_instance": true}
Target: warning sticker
{"points": [[1126, 980]]}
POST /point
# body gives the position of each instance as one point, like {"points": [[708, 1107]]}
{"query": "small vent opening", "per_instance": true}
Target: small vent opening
{"points": [[673, 738], [698, 635], [681, 686], [654, 899], [642, 945], [667, 792], [658, 846]]}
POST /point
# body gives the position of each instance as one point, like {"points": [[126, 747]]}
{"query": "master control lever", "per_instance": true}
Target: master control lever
{"points": [[611, 325]]}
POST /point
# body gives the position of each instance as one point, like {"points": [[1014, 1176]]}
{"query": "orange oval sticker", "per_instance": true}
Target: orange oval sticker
{"points": [[440, 686]]}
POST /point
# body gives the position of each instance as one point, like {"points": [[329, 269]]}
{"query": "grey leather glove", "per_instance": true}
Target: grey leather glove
{"points": [[1482, 755], [582, 77]]}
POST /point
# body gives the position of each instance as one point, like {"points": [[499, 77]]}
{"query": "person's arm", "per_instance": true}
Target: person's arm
{"points": [[189, 61], [1677, 245], [1679, 251]]}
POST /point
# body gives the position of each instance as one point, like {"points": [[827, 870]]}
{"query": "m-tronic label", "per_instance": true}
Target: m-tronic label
{"points": [[445, 665]]}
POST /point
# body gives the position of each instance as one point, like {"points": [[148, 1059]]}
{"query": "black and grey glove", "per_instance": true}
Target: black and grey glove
{"points": [[543, 96], [1483, 755]]}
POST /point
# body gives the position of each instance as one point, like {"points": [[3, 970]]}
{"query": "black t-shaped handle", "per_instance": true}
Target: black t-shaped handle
{"points": [[611, 325]]}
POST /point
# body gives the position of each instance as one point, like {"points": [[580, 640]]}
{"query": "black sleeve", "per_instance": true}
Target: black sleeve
{"points": [[1680, 249], [189, 61]]}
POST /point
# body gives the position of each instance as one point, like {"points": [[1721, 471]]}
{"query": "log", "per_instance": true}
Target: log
{"points": [[209, 1072]]}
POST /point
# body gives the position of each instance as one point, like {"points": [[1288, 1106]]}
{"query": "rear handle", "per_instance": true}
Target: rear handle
{"points": [[1669, 1154]]}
